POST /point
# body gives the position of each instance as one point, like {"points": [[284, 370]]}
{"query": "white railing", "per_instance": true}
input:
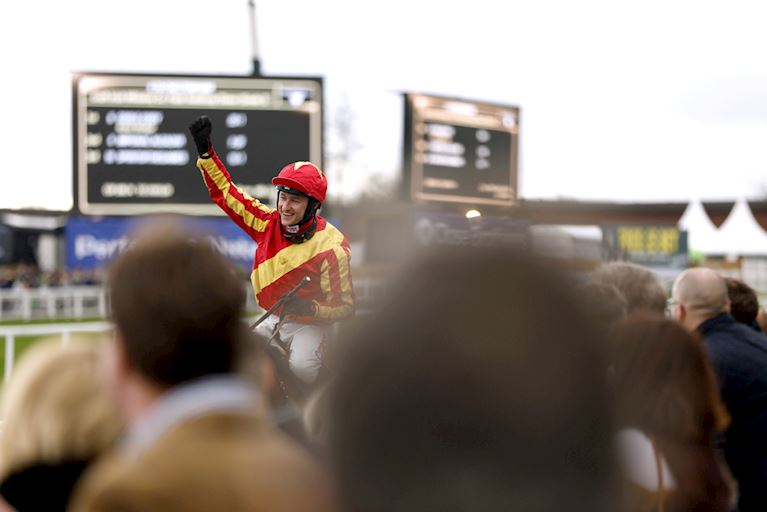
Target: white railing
{"points": [[75, 302], [64, 302], [64, 331], [92, 301]]}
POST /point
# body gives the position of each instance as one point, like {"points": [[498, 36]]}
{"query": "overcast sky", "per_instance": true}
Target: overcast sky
{"points": [[629, 101]]}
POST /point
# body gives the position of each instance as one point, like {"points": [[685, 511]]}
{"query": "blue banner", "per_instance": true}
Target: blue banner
{"points": [[93, 243]]}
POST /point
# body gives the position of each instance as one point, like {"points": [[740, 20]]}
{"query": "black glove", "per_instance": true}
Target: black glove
{"points": [[200, 129], [299, 307]]}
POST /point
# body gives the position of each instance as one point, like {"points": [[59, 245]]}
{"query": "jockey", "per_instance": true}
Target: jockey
{"points": [[293, 241]]}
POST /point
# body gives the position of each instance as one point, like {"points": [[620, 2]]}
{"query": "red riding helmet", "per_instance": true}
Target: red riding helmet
{"points": [[305, 177]]}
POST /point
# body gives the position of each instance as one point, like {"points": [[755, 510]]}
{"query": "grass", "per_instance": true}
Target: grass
{"points": [[51, 321], [23, 343]]}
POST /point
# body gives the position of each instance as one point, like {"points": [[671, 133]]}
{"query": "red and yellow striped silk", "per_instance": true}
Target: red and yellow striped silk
{"points": [[279, 265]]}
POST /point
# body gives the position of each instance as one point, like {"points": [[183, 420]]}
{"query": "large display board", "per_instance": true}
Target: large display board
{"points": [[133, 154], [645, 244], [460, 150]]}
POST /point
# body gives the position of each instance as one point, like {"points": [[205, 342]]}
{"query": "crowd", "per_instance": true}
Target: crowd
{"points": [[690, 389], [488, 381], [27, 275]]}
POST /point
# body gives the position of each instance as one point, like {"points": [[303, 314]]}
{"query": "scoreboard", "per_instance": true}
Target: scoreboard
{"points": [[133, 154], [460, 151]]}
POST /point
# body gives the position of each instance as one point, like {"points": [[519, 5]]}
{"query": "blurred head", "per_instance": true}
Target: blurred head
{"points": [[744, 303], [604, 305], [761, 320], [663, 380], [640, 286], [665, 387], [459, 393], [176, 304], [55, 408], [699, 294]]}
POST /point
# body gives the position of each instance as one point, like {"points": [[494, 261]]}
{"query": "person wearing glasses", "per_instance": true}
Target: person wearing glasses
{"points": [[738, 353]]}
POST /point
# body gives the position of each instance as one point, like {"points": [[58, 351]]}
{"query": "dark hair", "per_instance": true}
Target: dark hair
{"points": [[177, 304], [666, 388], [478, 387], [744, 304]]}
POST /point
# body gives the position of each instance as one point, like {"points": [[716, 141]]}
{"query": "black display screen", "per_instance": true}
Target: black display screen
{"points": [[133, 153], [461, 151]]}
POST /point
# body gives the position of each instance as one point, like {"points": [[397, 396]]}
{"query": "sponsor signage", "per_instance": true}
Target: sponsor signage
{"points": [[645, 244], [93, 243]]}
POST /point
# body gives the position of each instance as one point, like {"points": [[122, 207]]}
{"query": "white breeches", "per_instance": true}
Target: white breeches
{"points": [[305, 344]]}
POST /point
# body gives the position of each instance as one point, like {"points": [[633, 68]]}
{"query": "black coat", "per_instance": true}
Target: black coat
{"points": [[739, 356], [42, 487]]}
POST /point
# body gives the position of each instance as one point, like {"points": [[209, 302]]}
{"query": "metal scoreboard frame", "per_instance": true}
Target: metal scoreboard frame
{"points": [[261, 101], [460, 114]]}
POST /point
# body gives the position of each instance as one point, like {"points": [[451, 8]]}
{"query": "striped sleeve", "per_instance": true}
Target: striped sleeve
{"points": [[249, 213], [336, 285]]}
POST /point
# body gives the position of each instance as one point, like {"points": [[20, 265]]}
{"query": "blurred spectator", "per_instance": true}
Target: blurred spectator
{"points": [[24, 275], [27, 276], [640, 286], [669, 412], [739, 356], [7, 276], [744, 304], [85, 277], [761, 320], [52, 279], [196, 441], [479, 388], [604, 305], [56, 419]]}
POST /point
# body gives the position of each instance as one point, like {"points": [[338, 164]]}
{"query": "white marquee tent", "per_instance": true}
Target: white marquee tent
{"points": [[702, 234], [739, 235]]}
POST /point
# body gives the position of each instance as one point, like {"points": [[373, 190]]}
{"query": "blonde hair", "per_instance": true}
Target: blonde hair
{"points": [[55, 408]]}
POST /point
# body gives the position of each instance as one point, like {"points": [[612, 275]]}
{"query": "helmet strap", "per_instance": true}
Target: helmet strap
{"points": [[311, 209], [304, 233]]}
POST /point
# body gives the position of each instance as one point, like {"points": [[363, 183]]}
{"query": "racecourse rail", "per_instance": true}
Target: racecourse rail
{"points": [[81, 302], [63, 331]]}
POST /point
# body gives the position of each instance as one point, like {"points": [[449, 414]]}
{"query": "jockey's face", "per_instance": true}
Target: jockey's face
{"points": [[291, 207]]}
